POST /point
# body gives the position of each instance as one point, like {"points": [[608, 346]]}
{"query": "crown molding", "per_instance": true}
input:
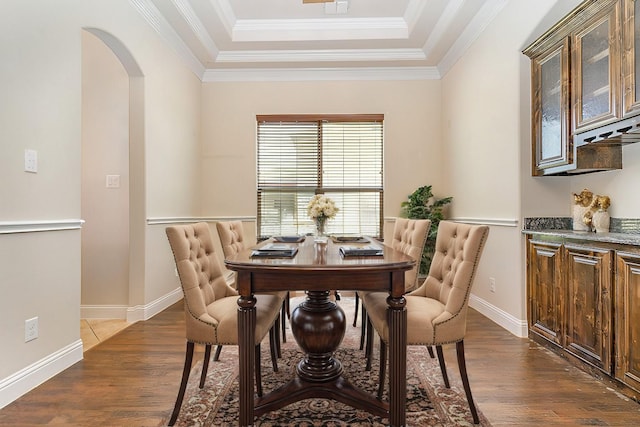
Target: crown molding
{"points": [[253, 30], [483, 18], [152, 15], [321, 55], [447, 16], [299, 29], [225, 13], [413, 12], [196, 25], [320, 74]]}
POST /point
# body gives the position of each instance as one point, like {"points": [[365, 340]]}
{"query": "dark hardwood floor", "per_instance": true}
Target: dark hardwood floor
{"points": [[132, 380]]}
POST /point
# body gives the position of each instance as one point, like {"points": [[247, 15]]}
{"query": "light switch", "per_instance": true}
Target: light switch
{"points": [[113, 181], [30, 161]]}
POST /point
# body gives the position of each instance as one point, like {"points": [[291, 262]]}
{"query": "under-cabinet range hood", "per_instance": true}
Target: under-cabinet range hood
{"points": [[596, 158], [600, 149]]}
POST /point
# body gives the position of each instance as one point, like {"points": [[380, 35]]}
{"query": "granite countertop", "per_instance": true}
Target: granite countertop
{"points": [[624, 231], [618, 238]]}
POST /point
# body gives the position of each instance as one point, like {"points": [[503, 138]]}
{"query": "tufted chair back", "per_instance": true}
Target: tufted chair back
{"points": [[437, 310], [201, 278], [231, 235], [453, 268], [409, 237]]}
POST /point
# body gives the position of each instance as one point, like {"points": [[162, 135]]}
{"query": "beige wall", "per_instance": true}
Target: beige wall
{"points": [[413, 148], [192, 147], [486, 110], [41, 109]]}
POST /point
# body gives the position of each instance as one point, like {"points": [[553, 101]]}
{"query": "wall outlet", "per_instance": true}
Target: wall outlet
{"points": [[31, 161], [30, 329], [492, 285]]}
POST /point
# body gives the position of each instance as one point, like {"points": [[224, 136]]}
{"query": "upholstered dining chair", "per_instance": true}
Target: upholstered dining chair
{"points": [[409, 237], [233, 240], [437, 310], [211, 305]]}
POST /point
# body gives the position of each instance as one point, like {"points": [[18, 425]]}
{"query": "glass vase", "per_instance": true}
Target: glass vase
{"points": [[320, 235], [320, 226]]}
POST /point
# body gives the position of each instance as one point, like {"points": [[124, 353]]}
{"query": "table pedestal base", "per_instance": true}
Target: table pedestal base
{"points": [[318, 326]]}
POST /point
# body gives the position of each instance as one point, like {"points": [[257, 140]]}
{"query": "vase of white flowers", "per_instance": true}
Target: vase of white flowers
{"points": [[320, 209]]}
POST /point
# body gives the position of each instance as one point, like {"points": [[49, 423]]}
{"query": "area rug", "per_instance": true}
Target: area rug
{"points": [[429, 402]]}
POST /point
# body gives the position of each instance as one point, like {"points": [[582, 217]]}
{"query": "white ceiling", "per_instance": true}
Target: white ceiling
{"points": [[286, 39]]}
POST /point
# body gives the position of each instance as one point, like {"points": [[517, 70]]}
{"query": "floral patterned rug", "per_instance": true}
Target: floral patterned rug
{"points": [[429, 403]]}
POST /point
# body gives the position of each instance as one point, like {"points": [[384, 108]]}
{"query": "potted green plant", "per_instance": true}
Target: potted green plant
{"points": [[421, 204]]}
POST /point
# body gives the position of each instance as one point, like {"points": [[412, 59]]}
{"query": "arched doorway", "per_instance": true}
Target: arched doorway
{"points": [[113, 189]]}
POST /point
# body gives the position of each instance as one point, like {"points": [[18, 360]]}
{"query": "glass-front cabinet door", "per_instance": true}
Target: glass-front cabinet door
{"points": [[631, 57], [551, 126], [596, 72]]}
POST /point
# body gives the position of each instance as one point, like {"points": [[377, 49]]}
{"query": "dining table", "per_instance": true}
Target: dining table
{"points": [[320, 266]]}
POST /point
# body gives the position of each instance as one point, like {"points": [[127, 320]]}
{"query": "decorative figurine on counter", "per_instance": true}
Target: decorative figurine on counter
{"points": [[582, 204], [600, 219]]}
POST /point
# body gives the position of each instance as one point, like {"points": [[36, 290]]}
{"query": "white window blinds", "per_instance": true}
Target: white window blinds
{"points": [[339, 156]]}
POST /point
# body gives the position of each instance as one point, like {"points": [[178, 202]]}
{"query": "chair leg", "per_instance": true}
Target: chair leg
{"points": [[443, 366], [465, 380], [188, 358], [355, 316], [273, 338], [276, 326], [383, 368], [205, 364], [258, 369], [430, 350], [284, 315], [286, 302], [369, 349], [363, 327], [217, 355]]}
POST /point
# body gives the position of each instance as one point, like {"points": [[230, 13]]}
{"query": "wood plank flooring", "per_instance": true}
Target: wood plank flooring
{"points": [[132, 380]]}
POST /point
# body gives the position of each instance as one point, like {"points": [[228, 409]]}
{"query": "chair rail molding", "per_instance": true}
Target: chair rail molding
{"points": [[12, 227], [189, 219], [498, 222]]}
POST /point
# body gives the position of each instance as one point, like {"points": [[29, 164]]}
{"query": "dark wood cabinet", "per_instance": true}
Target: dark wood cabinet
{"points": [[583, 302], [596, 68], [627, 368], [569, 299], [578, 89], [552, 145], [631, 57], [546, 291], [588, 332]]}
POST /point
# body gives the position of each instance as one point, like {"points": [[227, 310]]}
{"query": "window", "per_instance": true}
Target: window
{"points": [[339, 156]]}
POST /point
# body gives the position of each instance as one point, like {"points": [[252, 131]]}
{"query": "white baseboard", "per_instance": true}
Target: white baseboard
{"points": [[32, 376], [512, 324], [35, 374], [103, 312], [131, 314], [147, 311]]}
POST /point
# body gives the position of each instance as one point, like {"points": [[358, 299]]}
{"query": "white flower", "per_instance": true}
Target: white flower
{"points": [[321, 207]]}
